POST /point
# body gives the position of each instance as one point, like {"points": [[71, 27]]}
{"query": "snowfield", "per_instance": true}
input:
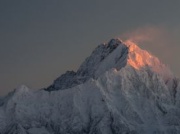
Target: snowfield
{"points": [[119, 89]]}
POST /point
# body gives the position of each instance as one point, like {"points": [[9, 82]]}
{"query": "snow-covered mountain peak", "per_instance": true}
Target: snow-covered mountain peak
{"points": [[113, 54], [114, 42], [21, 89], [119, 88]]}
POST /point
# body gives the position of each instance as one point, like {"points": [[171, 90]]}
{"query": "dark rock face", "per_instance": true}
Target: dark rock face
{"points": [[67, 80]]}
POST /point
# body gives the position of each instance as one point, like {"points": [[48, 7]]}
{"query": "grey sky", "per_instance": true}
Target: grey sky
{"points": [[41, 39]]}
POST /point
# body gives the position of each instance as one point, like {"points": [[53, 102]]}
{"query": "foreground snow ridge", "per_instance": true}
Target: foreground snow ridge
{"points": [[118, 89]]}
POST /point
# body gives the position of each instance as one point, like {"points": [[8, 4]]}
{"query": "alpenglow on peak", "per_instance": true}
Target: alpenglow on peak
{"points": [[114, 54]]}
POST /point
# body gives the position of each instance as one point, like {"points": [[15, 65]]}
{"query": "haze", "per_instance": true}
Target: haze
{"points": [[40, 40]]}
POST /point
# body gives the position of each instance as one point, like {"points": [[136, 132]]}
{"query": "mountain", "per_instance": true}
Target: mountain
{"points": [[118, 89]]}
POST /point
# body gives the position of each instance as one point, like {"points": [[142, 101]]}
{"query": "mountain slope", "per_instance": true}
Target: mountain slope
{"points": [[119, 89]]}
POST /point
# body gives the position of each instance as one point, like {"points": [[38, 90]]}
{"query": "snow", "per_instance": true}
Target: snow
{"points": [[38, 131], [120, 88], [139, 58]]}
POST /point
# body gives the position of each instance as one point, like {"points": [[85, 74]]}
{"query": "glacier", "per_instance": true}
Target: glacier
{"points": [[118, 89]]}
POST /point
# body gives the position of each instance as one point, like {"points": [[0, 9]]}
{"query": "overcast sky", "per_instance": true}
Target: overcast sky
{"points": [[41, 39]]}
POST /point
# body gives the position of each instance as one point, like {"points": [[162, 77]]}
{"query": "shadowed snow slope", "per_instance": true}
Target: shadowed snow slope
{"points": [[119, 89]]}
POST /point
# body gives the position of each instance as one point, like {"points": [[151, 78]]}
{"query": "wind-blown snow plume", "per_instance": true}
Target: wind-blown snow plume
{"points": [[146, 35]]}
